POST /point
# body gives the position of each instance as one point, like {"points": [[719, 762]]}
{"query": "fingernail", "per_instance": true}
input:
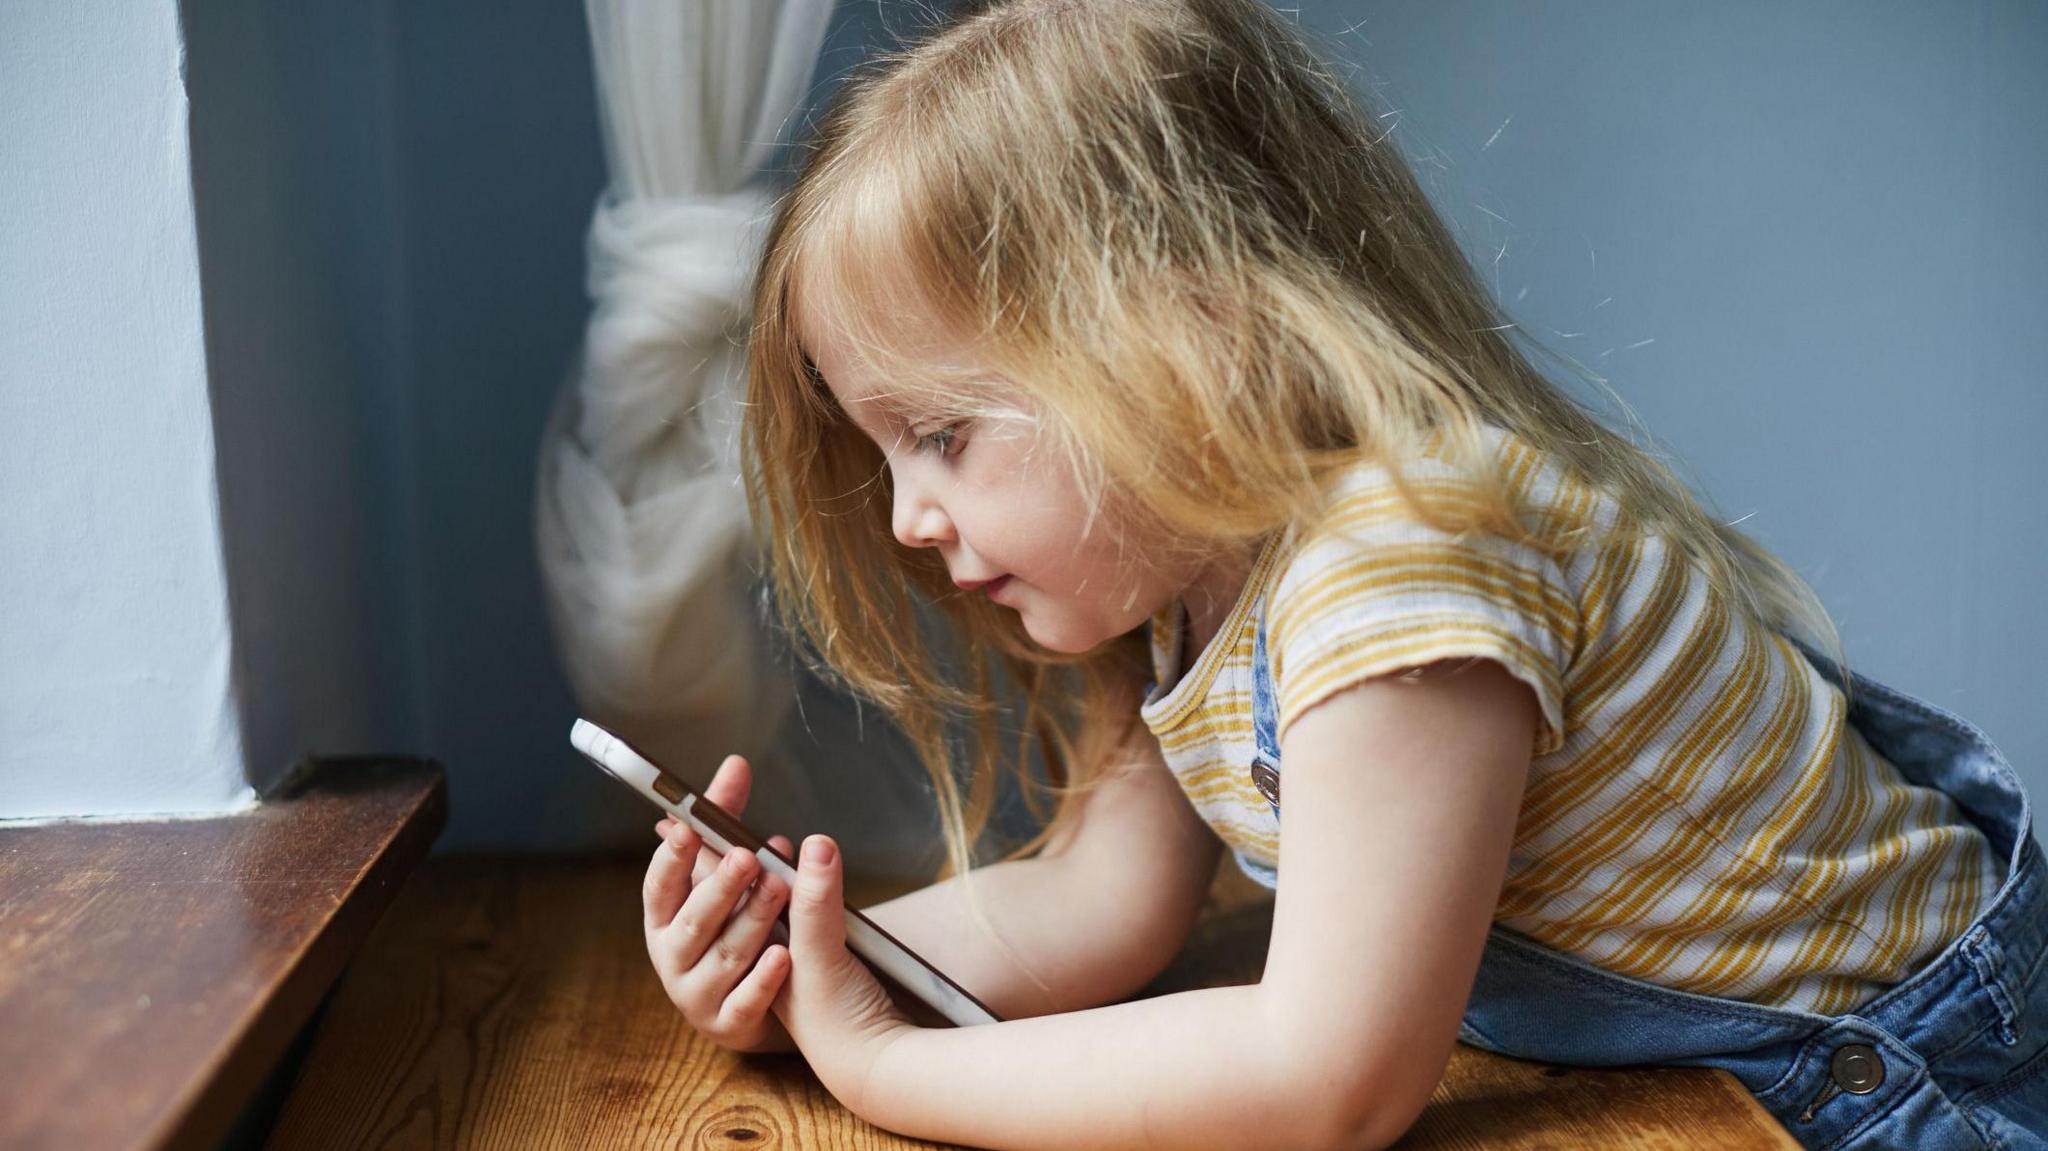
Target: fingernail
{"points": [[818, 850]]}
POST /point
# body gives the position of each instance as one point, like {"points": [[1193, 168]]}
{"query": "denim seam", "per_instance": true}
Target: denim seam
{"points": [[1955, 724], [1793, 1064], [1985, 1135], [1935, 967], [1992, 1142], [2011, 1081], [1969, 1115], [1481, 1033], [1928, 972], [1657, 996], [1970, 733], [2033, 970], [1987, 962], [1967, 1038], [1594, 981]]}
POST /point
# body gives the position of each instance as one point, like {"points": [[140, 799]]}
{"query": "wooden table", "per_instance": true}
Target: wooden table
{"points": [[508, 1002]]}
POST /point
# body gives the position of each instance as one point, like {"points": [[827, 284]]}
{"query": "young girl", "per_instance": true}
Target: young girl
{"points": [[1119, 334]]}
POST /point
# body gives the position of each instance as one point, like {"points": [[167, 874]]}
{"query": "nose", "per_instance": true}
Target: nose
{"points": [[916, 518]]}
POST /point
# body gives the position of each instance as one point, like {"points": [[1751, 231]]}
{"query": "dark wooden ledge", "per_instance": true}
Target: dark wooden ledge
{"points": [[151, 973]]}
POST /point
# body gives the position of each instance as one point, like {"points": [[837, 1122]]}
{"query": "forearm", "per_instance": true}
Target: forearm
{"points": [[1045, 922], [1189, 1070]]}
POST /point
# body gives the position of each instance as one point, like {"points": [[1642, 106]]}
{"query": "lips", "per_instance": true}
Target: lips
{"points": [[995, 585]]}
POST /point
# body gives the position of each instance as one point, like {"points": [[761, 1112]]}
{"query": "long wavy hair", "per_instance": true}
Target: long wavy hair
{"points": [[1215, 281]]}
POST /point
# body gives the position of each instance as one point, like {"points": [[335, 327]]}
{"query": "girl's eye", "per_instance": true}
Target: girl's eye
{"points": [[941, 440]]}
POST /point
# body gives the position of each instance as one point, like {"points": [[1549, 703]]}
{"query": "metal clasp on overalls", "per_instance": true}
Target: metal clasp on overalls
{"points": [[1856, 1068], [1267, 781]]}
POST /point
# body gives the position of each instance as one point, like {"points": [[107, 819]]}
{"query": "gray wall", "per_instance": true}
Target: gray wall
{"points": [[1828, 219], [298, 243], [498, 164], [1796, 239], [393, 199]]}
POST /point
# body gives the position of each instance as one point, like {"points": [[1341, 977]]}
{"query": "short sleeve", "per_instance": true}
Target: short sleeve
{"points": [[1377, 589]]}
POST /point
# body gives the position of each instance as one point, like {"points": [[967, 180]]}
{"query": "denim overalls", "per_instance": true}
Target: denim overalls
{"points": [[1954, 1055]]}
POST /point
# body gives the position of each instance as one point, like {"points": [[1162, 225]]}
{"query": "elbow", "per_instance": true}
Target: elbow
{"points": [[1354, 1104], [1380, 1128], [1356, 1084], [1371, 1127]]}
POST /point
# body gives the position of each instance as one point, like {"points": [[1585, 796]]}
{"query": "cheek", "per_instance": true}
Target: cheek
{"points": [[1096, 566], [1021, 517], [1047, 521], [1033, 519]]}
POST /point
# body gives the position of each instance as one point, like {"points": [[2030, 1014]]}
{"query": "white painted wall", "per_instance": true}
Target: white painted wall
{"points": [[115, 648]]}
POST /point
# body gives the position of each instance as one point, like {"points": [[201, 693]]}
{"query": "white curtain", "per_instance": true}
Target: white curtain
{"points": [[645, 545]]}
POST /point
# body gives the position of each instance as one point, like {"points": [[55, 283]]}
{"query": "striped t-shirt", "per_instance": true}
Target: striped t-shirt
{"points": [[1697, 815]]}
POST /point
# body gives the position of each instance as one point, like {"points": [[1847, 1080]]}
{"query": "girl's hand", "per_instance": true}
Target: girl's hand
{"points": [[710, 959], [839, 1013]]}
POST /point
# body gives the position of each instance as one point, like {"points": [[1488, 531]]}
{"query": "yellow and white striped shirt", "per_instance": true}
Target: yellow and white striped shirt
{"points": [[1698, 813]]}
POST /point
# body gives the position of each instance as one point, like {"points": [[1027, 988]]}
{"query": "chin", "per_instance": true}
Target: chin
{"points": [[1064, 637]]}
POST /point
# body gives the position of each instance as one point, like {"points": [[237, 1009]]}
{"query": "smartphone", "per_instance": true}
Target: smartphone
{"points": [[886, 957]]}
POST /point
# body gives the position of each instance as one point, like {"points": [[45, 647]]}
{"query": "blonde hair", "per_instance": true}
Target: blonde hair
{"points": [[1179, 234]]}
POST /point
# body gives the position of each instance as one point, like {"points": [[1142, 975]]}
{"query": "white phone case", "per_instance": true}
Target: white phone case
{"points": [[722, 832]]}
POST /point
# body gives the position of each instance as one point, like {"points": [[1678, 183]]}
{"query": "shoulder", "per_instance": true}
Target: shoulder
{"points": [[1396, 574], [1430, 528], [1435, 486]]}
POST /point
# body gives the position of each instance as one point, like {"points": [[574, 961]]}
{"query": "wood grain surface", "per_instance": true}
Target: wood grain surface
{"points": [[152, 972], [508, 1002]]}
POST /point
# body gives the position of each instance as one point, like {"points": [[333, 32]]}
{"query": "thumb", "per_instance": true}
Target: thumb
{"points": [[817, 907]]}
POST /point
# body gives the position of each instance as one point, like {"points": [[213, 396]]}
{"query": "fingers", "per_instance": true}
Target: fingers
{"points": [[817, 919], [709, 946], [707, 856], [708, 859], [749, 1003], [696, 925], [732, 785], [710, 977], [712, 924], [668, 882]]}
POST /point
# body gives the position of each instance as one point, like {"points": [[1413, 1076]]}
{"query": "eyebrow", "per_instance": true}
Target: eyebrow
{"points": [[887, 403]]}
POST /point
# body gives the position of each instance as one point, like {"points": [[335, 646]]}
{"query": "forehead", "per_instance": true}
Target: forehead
{"points": [[873, 366], [858, 390]]}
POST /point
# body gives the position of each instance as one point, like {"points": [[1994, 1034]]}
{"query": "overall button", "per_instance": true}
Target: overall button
{"points": [[1267, 781], [1856, 1068]]}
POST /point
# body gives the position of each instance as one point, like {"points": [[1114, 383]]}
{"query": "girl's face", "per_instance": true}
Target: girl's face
{"points": [[1000, 509]]}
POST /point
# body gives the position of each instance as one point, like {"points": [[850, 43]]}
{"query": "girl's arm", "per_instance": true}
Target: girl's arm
{"points": [[1097, 914], [1402, 795]]}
